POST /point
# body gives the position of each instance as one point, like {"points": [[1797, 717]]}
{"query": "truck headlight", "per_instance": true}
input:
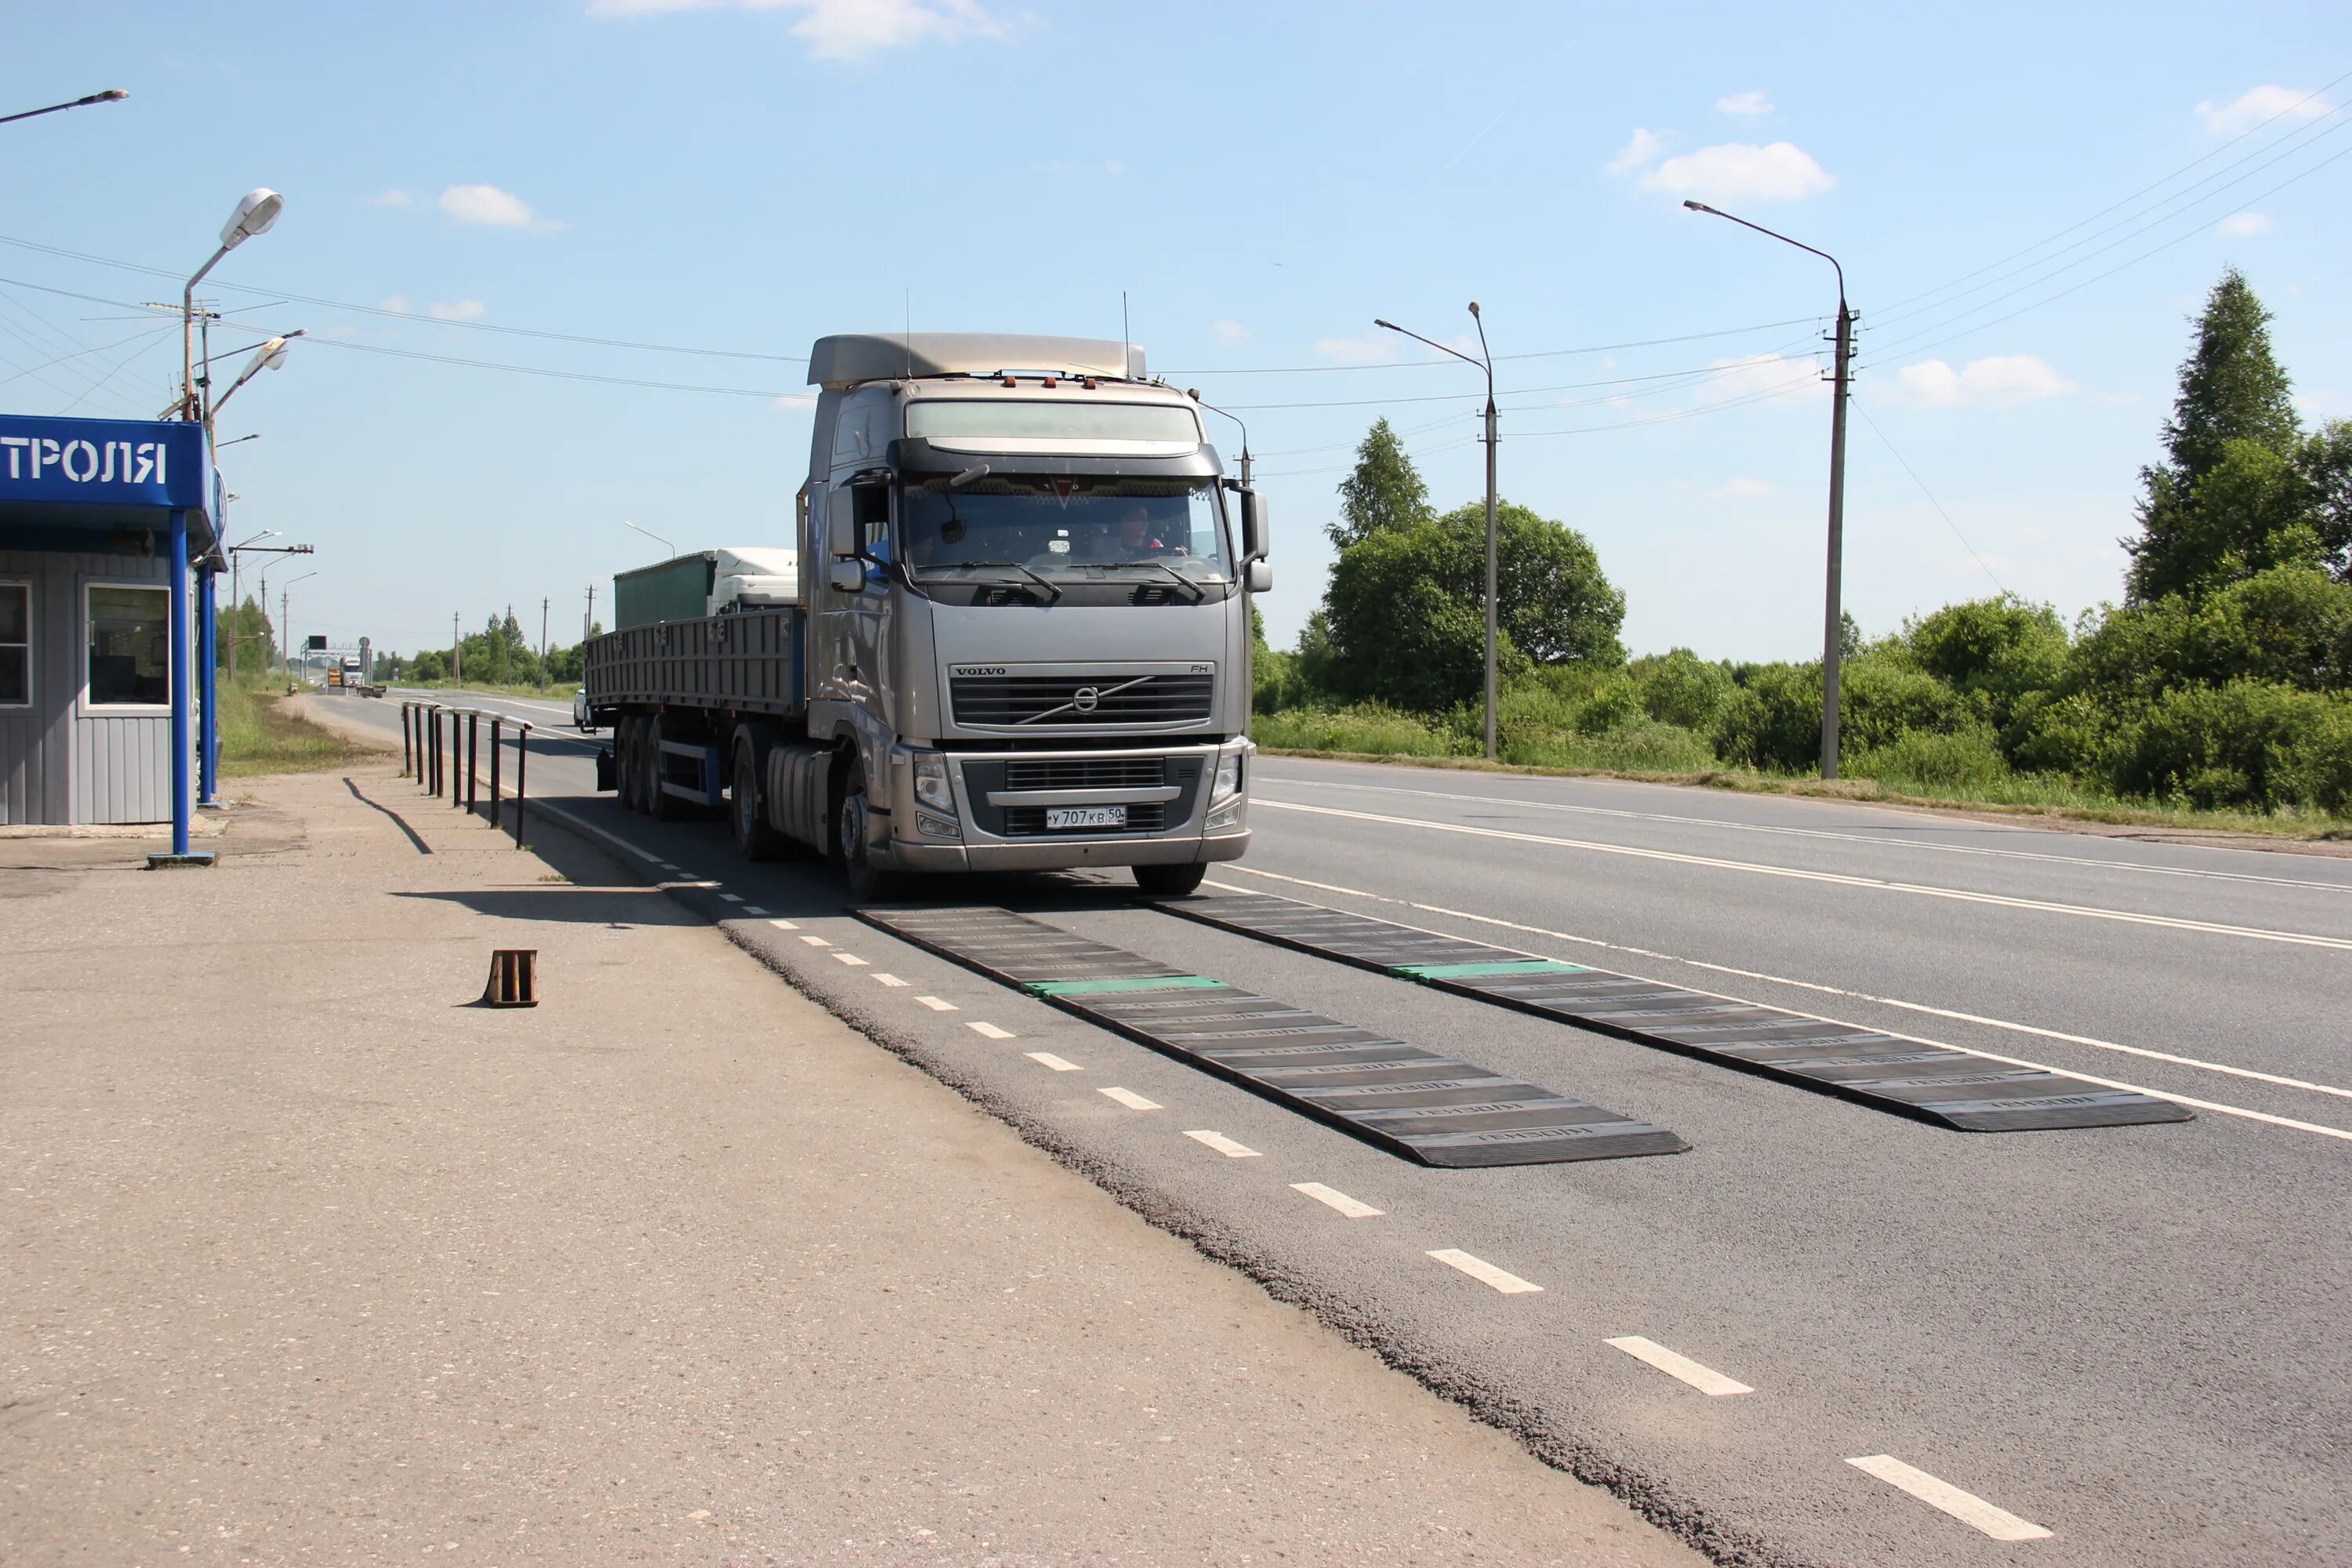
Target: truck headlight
{"points": [[1228, 781], [931, 782]]}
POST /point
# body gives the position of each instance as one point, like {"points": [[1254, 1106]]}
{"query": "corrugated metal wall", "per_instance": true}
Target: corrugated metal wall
{"points": [[59, 763]]}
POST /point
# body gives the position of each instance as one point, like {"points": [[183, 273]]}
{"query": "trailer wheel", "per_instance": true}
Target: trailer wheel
{"points": [[747, 818], [660, 805], [867, 882], [624, 760], [1168, 881]]}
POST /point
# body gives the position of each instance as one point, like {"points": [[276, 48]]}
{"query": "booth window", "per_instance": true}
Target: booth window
{"points": [[130, 647], [16, 645]]}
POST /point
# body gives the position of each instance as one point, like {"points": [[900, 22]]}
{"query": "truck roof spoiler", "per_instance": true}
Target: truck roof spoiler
{"points": [[852, 359]]}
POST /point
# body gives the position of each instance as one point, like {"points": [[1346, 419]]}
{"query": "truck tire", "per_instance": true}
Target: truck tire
{"points": [[747, 814], [867, 882], [660, 805], [624, 762], [1168, 881]]}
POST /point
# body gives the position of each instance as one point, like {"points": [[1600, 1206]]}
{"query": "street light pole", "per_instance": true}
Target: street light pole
{"points": [[649, 533], [1486, 362], [254, 213], [111, 95], [1841, 381]]}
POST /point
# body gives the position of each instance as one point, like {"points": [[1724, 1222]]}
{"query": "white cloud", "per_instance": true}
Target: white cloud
{"points": [[2238, 226], [457, 311], [1229, 331], [2003, 381], [1739, 489], [1744, 103], [1375, 349], [844, 29], [1776, 378], [796, 400], [1739, 170], [489, 205], [393, 199], [396, 302], [1639, 151], [2259, 104]]}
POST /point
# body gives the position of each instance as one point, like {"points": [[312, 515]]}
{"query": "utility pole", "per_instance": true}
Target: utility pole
{"points": [[1832, 609], [542, 644], [589, 619], [284, 641], [505, 643], [457, 653]]}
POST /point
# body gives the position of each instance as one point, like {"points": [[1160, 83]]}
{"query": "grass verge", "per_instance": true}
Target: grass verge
{"points": [[259, 735]]}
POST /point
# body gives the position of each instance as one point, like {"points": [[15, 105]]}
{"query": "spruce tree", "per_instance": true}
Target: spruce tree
{"points": [[1385, 491]]}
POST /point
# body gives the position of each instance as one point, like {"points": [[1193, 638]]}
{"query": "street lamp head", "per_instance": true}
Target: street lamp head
{"points": [[254, 213], [271, 355], [111, 95], [1391, 326], [1701, 207], [1473, 307]]}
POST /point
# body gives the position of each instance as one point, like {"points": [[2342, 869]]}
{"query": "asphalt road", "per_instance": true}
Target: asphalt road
{"points": [[2132, 1338]]}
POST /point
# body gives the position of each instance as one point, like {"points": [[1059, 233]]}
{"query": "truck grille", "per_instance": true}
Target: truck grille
{"points": [[1029, 822], [1087, 773], [1056, 699]]}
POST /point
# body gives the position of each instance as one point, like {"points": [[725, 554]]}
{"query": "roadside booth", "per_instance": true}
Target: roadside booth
{"points": [[107, 545]]}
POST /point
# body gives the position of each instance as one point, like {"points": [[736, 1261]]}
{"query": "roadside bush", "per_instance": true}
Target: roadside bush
{"points": [[1681, 689], [1922, 760], [1641, 745], [2319, 768], [2242, 745], [1772, 721], [1370, 727]]}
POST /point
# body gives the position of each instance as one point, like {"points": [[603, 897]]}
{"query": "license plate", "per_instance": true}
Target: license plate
{"points": [[1061, 817]]}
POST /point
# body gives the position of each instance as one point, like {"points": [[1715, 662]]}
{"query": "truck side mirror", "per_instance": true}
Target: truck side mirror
{"points": [[848, 575], [1259, 576], [1257, 540], [841, 540]]}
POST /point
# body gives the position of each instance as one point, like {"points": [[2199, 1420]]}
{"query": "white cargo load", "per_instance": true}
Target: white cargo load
{"points": [[754, 577]]}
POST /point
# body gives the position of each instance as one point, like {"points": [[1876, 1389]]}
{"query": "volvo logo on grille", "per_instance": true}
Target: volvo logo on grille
{"points": [[1085, 699]]}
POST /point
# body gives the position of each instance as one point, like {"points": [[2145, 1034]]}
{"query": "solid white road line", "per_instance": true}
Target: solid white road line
{"points": [[785, 925], [1132, 1099], [815, 941], [2239, 1110], [936, 1006], [1223, 1145], [1834, 879], [890, 980], [1881, 842], [1707, 1379], [1478, 1269], [1966, 1507], [1333, 1197], [1049, 1060], [850, 959], [989, 1031]]}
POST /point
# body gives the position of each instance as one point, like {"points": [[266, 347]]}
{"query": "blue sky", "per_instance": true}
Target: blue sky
{"points": [[1261, 181]]}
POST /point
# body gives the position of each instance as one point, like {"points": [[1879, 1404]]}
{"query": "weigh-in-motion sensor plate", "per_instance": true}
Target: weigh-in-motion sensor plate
{"points": [[1408, 1100], [1934, 1083]]}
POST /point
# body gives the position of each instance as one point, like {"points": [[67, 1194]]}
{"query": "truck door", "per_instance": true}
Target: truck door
{"points": [[853, 628]]}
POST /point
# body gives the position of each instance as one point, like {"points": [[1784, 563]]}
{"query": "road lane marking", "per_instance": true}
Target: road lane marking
{"points": [[665, 864], [1223, 1145], [733, 898], [754, 911], [1866, 996], [785, 925], [1132, 1099], [815, 941], [890, 980], [1486, 1273], [1049, 1060], [936, 1006], [1707, 1379], [1966, 1507], [1334, 1198], [850, 959], [991, 1031], [1834, 879], [1883, 843]]}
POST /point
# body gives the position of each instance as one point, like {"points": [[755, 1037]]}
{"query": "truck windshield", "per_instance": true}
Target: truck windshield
{"points": [[1071, 527]]}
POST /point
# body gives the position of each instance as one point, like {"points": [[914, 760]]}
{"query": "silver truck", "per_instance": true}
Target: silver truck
{"points": [[1022, 639]]}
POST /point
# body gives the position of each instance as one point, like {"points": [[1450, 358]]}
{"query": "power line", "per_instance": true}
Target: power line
{"points": [[1924, 491], [1537, 353]]}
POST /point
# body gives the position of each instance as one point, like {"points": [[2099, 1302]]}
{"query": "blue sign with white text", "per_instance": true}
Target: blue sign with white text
{"points": [[104, 462]]}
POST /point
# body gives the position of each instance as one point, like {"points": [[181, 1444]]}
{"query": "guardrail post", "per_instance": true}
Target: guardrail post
{"points": [[430, 719], [522, 760], [457, 760], [473, 759], [496, 720], [405, 754]]}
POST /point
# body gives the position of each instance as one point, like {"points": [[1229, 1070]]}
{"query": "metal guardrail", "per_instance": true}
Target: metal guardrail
{"points": [[454, 769]]}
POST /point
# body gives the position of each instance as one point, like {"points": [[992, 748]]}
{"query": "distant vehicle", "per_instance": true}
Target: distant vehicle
{"points": [[581, 720], [1013, 631]]}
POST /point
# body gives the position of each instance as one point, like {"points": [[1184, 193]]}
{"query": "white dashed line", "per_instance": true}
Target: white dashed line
{"points": [[694, 877], [785, 925], [890, 980], [733, 898], [816, 941], [1333, 1197], [665, 864], [1223, 1145], [1707, 1379], [1132, 1099], [850, 958], [1478, 1269], [989, 1031], [754, 910], [1048, 1059], [1966, 1507], [936, 1006]]}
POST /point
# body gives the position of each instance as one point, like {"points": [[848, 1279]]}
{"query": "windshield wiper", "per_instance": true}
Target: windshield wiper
{"points": [[1174, 576], [1046, 584]]}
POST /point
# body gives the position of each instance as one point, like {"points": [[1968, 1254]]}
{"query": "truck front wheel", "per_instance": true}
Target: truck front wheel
{"points": [[1168, 881], [867, 882]]}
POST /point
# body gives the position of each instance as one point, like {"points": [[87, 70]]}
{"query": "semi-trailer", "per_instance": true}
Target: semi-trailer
{"points": [[1018, 636]]}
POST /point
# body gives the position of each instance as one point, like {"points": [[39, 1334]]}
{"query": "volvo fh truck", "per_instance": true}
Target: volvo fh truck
{"points": [[1021, 640]]}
